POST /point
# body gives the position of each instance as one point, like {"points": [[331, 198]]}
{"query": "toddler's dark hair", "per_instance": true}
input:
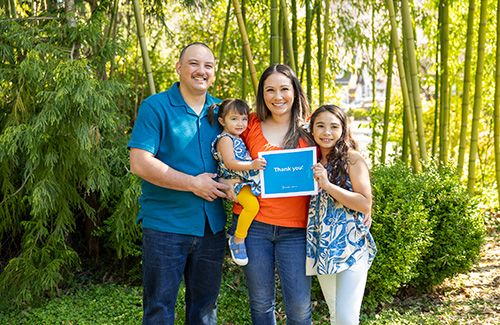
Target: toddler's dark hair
{"points": [[227, 105]]}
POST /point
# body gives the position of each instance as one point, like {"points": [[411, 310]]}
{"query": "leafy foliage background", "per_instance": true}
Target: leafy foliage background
{"points": [[63, 156], [69, 97]]}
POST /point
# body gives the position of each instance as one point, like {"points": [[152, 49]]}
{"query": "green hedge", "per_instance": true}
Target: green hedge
{"points": [[458, 228], [401, 231], [426, 228]]}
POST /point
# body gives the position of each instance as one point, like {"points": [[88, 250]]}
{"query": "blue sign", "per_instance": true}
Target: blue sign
{"points": [[288, 173]]}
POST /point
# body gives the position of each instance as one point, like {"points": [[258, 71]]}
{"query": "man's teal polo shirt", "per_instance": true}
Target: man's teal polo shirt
{"points": [[168, 128]]}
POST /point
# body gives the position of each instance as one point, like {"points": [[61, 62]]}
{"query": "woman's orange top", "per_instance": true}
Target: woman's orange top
{"points": [[285, 212]]}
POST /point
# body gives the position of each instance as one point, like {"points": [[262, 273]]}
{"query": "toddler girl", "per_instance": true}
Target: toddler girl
{"points": [[235, 162]]}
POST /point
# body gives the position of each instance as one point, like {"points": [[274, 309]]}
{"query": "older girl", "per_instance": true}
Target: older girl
{"points": [[340, 249]]}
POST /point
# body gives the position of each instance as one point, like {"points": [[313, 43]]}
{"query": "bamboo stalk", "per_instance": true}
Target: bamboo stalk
{"points": [[294, 35], [374, 77], [288, 36], [404, 88], [436, 91], [324, 57], [221, 52], [13, 9], [308, 56], [246, 45], [275, 38], [413, 64], [411, 103], [466, 87], [387, 107], [496, 105], [444, 108], [144, 48], [477, 97], [243, 59]]}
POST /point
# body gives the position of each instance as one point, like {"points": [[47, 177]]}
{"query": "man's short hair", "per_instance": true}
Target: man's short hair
{"points": [[193, 44]]}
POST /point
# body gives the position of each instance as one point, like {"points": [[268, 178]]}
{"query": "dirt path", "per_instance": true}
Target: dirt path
{"points": [[475, 297], [472, 298]]}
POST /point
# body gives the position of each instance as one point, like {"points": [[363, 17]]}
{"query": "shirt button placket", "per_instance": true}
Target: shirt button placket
{"points": [[202, 140]]}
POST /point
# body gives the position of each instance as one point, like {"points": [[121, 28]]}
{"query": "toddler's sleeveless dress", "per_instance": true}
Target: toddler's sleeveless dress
{"points": [[249, 177]]}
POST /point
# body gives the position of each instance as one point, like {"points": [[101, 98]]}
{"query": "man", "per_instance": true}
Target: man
{"points": [[181, 211]]}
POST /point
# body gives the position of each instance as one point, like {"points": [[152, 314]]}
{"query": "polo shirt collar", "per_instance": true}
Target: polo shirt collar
{"points": [[178, 100]]}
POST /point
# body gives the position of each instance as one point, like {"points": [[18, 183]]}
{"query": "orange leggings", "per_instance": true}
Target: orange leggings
{"points": [[250, 206]]}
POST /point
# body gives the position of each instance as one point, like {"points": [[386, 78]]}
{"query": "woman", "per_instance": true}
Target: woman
{"points": [[277, 237]]}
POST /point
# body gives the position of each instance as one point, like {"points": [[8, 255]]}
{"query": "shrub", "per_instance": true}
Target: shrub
{"points": [[458, 228], [426, 228], [59, 127], [401, 231]]}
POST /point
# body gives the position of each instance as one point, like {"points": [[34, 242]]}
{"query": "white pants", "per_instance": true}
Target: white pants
{"points": [[344, 291]]}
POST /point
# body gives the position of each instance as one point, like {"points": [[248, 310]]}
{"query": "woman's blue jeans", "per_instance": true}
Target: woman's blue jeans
{"points": [[283, 249], [166, 258]]}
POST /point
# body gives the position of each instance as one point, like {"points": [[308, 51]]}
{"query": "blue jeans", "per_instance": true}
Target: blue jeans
{"points": [[166, 258], [284, 249]]}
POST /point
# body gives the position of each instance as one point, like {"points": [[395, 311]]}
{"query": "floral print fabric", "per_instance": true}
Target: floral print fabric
{"points": [[336, 236], [249, 177]]}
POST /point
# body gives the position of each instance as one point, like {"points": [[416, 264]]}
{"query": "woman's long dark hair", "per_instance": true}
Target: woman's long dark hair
{"points": [[338, 158], [300, 106]]}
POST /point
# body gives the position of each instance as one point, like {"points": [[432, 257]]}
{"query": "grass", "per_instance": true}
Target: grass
{"points": [[87, 302], [121, 304], [90, 304]]}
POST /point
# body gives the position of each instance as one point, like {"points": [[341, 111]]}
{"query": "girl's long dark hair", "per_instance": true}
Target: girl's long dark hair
{"points": [[337, 158], [227, 105], [300, 107]]}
